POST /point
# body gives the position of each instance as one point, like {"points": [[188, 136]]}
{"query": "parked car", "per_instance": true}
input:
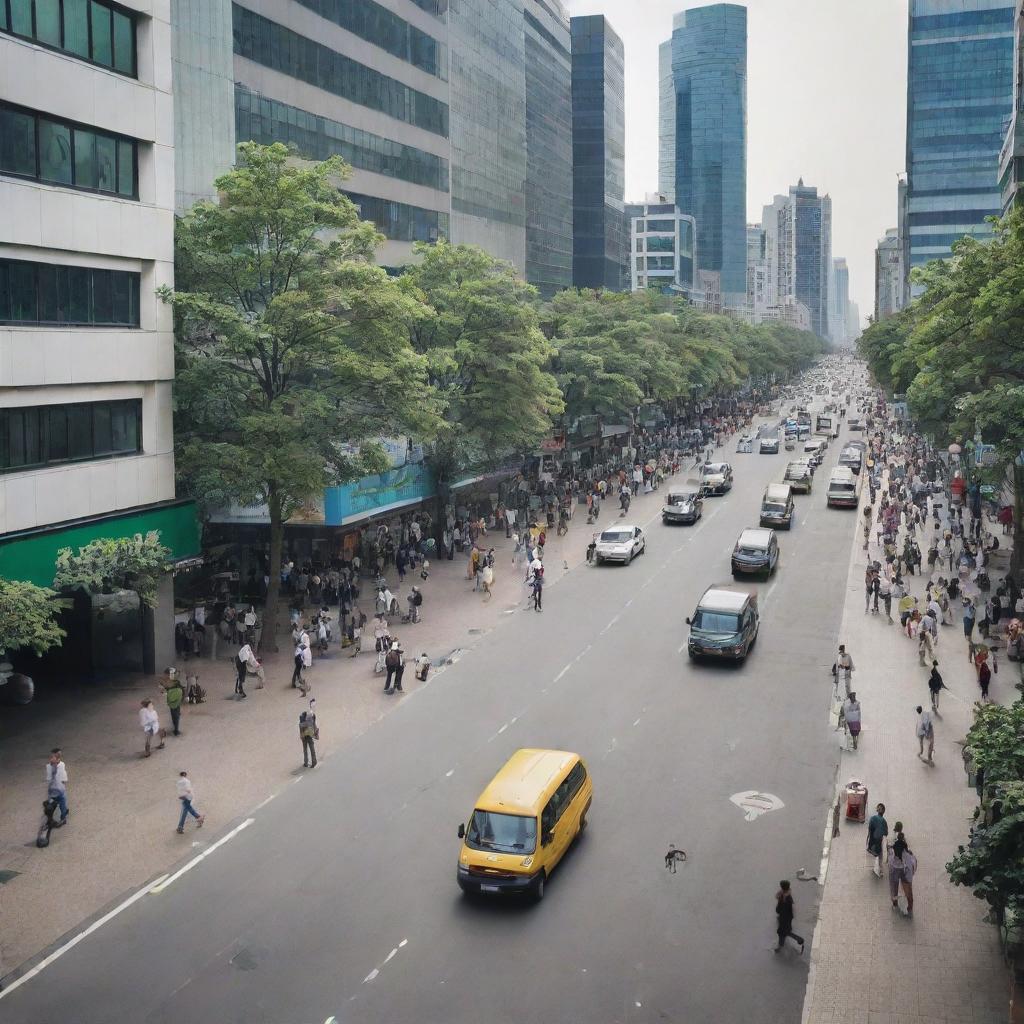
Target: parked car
{"points": [[620, 544], [799, 476], [683, 507], [716, 477], [756, 552], [724, 625], [843, 488]]}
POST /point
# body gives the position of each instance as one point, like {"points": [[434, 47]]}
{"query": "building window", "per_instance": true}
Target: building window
{"points": [[401, 222], [46, 435], [99, 32], [60, 153], [46, 294]]}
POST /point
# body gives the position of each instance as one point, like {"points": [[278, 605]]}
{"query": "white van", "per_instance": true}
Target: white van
{"points": [[843, 488]]}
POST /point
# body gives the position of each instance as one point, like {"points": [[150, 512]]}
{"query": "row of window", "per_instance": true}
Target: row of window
{"points": [[562, 797], [61, 153], [379, 26], [401, 222], [50, 294], [91, 29], [264, 120], [277, 47], [45, 435]]}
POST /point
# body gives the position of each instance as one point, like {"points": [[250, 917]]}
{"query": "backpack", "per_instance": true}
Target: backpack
{"points": [[392, 659], [417, 599]]}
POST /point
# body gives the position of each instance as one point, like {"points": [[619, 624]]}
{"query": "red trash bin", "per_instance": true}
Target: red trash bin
{"points": [[856, 801]]}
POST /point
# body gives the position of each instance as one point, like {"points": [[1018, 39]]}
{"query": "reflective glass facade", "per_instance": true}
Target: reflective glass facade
{"points": [[274, 46], [488, 126], [598, 140], [548, 147], [55, 295], [703, 122], [811, 233], [264, 120], [959, 100], [400, 221]]}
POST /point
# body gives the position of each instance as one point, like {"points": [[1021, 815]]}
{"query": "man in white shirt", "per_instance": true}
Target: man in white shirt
{"points": [[150, 722], [57, 783], [241, 667], [186, 794], [925, 734]]}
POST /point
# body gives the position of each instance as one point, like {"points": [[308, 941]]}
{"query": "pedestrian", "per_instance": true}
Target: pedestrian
{"points": [[784, 913], [984, 678], [186, 794], [309, 733], [537, 585], [241, 667], [175, 695], [422, 667], [902, 866], [968, 615], [851, 716], [415, 600], [392, 660], [935, 686], [150, 722], [487, 578], [878, 829], [399, 668], [306, 659], [57, 783], [249, 622], [883, 588], [925, 733], [843, 668]]}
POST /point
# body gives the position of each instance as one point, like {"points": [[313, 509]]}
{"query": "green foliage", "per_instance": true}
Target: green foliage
{"points": [[28, 617], [993, 864], [485, 354], [107, 565]]}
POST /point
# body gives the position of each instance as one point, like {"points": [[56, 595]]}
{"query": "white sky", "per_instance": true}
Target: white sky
{"points": [[826, 100]]}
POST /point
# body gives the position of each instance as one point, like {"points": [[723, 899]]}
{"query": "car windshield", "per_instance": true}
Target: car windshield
{"points": [[775, 506], [679, 499], [750, 549], [849, 488], [616, 536], [714, 469], [716, 622], [505, 833]]}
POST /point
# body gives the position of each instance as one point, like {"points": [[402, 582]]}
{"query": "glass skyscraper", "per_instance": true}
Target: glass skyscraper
{"points": [[599, 152], [959, 100], [548, 146], [703, 135]]}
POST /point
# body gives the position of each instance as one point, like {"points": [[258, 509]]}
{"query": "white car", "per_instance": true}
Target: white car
{"points": [[716, 477], [620, 544], [745, 444]]}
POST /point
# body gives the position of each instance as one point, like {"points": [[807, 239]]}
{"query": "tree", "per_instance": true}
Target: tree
{"points": [[485, 354], [292, 347], [993, 862], [28, 618], [107, 565]]}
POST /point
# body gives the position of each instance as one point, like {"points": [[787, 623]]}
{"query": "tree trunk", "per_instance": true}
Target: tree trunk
{"points": [[1017, 558], [270, 612]]}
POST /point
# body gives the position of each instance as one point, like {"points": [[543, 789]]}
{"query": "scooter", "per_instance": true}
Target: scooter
{"points": [[50, 805]]}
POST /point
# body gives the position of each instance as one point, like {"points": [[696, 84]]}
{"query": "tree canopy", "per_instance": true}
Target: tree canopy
{"points": [[28, 618], [109, 564]]}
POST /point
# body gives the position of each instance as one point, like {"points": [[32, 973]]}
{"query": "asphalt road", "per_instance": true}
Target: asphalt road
{"points": [[338, 901]]}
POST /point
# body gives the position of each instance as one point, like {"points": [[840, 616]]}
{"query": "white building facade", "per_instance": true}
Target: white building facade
{"points": [[662, 246], [86, 239]]}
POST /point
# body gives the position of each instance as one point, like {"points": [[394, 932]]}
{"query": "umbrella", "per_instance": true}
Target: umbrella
{"points": [[955, 449]]}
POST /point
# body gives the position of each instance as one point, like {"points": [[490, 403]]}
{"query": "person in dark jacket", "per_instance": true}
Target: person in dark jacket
{"points": [[784, 913]]}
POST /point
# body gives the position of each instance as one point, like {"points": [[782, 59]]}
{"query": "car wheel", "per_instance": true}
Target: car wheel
{"points": [[538, 887]]}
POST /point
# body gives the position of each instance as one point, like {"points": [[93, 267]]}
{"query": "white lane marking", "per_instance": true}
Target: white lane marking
{"points": [[637, 722], [503, 728], [71, 943], [448, 774], [295, 782], [201, 857], [376, 971], [562, 673], [259, 807]]}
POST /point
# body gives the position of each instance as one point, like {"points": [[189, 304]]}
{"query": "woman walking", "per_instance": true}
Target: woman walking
{"points": [[902, 865]]}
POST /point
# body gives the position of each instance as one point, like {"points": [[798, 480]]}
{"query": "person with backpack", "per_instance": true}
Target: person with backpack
{"points": [[415, 600], [309, 733]]}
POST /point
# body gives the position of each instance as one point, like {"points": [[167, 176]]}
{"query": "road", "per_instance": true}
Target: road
{"points": [[337, 901]]}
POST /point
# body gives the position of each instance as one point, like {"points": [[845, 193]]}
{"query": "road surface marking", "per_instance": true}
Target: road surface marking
{"points": [[682, 647], [754, 803], [95, 926], [259, 807], [562, 673], [503, 728], [448, 774], [298, 780], [376, 971], [637, 722], [160, 886]]}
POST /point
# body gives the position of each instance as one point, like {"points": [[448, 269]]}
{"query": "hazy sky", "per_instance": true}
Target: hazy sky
{"points": [[826, 100]]}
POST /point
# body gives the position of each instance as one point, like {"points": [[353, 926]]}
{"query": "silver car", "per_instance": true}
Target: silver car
{"points": [[620, 544]]}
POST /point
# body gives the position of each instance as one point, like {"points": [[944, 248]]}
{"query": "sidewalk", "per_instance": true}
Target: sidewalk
{"points": [[870, 964], [238, 753]]}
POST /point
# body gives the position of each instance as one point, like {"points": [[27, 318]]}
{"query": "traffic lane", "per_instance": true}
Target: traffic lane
{"points": [[209, 954], [276, 857]]}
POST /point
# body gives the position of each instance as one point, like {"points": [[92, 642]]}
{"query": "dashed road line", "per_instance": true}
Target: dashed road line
{"points": [[376, 971], [161, 886]]}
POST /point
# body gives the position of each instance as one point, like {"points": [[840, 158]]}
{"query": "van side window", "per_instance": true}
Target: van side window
{"points": [[562, 797]]}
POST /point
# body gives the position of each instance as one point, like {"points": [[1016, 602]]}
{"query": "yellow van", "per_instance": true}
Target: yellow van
{"points": [[523, 823]]}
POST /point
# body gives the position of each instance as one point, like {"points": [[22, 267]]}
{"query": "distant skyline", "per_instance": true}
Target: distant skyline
{"points": [[826, 101]]}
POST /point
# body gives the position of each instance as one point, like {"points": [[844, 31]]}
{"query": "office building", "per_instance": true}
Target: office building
{"points": [[370, 82], [853, 328], [548, 146], [839, 302], [760, 285], [86, 347], [599, 150], [487, 48], [1011, 156], [662, 246], [889, 275], [703, 130], [959, 100]]}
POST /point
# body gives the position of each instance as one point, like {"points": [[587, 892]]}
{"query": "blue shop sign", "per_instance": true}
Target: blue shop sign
{"points": [[405, 485]]}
